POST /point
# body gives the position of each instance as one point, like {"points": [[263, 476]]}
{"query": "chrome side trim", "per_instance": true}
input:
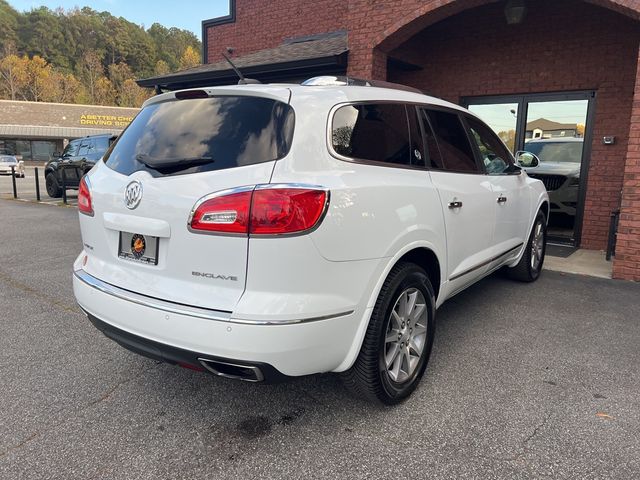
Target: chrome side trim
{"points": [[150, 302], [485, 263], [179, 309], [292, 322]]}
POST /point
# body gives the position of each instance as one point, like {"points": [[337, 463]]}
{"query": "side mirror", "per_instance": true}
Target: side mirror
{"points": [[527, 159]]}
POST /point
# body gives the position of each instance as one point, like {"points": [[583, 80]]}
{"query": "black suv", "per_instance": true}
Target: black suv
{"points": [[76, 160]]}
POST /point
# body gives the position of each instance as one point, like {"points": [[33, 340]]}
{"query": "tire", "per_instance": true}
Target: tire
{"points": [[370, 377], [530, 265], [53, 188]]}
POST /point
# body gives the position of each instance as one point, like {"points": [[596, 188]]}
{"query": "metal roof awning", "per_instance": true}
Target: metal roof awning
{"points": [[34, 131], [295, 59]]}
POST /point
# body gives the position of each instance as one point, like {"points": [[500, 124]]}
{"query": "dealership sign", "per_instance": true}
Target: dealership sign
{"points": [[105, 120]]}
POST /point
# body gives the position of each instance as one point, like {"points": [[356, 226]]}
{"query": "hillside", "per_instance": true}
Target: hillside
{"points": [[85, 56]]}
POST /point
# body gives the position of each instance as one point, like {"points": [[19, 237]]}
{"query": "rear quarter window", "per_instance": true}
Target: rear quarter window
{"points": [[203, 134], [376, 132]]}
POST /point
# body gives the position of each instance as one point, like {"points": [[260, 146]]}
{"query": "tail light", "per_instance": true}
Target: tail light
{"points": [[265, 210], [223, 213], [85, 204]]}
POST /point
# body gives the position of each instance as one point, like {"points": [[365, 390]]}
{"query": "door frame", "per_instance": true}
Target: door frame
{"points": [[523, 100]]}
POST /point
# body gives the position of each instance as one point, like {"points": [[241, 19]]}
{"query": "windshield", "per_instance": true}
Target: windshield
{"points": [[203, 134], [560, 152], [7, 159]]}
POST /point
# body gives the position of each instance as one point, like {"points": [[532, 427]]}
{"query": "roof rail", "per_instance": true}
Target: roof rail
{"points": [[327, 80]]}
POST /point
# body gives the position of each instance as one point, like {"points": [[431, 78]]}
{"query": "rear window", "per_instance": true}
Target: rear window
{"points": [[202, 135]]}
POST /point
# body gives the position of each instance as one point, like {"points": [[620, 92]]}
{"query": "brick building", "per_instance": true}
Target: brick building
{"points": [[36, 130], [574, 62]]}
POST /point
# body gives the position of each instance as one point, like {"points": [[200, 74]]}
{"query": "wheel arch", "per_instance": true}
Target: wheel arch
{"points": [[422, 254], [426, 259], [544, 208]]}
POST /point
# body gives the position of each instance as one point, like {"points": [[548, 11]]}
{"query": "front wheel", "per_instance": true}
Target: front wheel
{"points": [[397, 344], [530, 265], [53, 188]]}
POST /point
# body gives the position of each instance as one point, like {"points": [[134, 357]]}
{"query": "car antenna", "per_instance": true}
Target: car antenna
{"points": [[243, 80]]}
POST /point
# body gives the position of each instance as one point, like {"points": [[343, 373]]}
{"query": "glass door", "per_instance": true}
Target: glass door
{"points": [[554, 132], [557, 129], [502, 118]]}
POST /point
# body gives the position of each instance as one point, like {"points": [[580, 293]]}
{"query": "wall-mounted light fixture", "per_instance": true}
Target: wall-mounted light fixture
{"points": [[515, 11]]}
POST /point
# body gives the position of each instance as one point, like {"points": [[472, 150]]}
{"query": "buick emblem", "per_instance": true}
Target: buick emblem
{"points": [[133, 195]]}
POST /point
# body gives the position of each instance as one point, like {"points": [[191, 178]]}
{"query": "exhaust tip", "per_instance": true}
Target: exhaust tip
{"points": [[246, 373]]}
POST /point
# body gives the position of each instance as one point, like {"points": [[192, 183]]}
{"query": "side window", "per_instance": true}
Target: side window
{"points": [[435, 160], [457, 155], [493, 154], [373, 132], [419, 156], [102, 144], [86, 148], [72, 149]]}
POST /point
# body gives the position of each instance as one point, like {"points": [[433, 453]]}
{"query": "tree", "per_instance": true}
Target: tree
{"points": [[162, 68], [8, 23], [66, 55], [105, 94], [41, 35], [509, 138], [13, 73], [170, 43], [38, 79], [66, 88], [189, 59], [131, 94], [91, 70]]}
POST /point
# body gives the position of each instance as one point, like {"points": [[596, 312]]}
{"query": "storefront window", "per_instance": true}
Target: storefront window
{"points": [[42, 150], [39, 150]]}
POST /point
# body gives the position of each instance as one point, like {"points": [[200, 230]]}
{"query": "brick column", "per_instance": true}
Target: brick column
{"points": [[367, 63], [627, 261]]}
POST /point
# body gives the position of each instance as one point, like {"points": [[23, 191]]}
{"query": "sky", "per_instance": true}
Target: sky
{"points": [[186, 14], [500, 117]]}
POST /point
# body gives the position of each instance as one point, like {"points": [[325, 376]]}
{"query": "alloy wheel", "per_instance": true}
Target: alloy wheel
{"points": [[406, 335], [537, 246]]}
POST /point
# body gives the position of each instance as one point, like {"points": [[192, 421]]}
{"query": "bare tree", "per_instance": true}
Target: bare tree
{"points": [[92, 71]]}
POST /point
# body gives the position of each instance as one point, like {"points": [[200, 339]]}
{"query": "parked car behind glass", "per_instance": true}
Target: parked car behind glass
{"points": [[559, 170], [77, 159]]}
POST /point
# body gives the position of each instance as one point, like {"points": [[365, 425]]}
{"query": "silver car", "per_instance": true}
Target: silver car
{"points": [[8, 161], [559, 170]]}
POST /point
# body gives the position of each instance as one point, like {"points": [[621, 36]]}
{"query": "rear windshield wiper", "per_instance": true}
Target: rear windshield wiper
{"points": [[161, 163]]}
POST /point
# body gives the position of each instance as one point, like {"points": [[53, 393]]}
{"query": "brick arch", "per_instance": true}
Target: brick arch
{"points": [[433, 11]]}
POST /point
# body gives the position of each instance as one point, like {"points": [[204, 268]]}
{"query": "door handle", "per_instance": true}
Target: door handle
{"points": [[502, 199], [455, 204]]}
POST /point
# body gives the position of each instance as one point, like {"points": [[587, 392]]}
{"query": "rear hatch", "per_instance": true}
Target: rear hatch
{"points": [[175, 152]]}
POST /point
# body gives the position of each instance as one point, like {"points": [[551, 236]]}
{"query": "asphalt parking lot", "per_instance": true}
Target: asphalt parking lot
{"points": [[525, 381], [26, 188]]}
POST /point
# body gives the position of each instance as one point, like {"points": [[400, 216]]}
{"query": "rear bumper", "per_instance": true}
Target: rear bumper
{"points": [[173, 332], [178, 356]]}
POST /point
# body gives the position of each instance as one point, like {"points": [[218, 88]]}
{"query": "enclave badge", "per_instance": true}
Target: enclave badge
{"points": [[133, 194]]}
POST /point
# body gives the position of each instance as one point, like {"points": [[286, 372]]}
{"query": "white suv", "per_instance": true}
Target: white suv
{"points": [[268, 231]]}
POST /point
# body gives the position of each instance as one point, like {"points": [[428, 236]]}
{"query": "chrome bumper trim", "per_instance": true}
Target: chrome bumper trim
{"points": [[181, 309]]}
